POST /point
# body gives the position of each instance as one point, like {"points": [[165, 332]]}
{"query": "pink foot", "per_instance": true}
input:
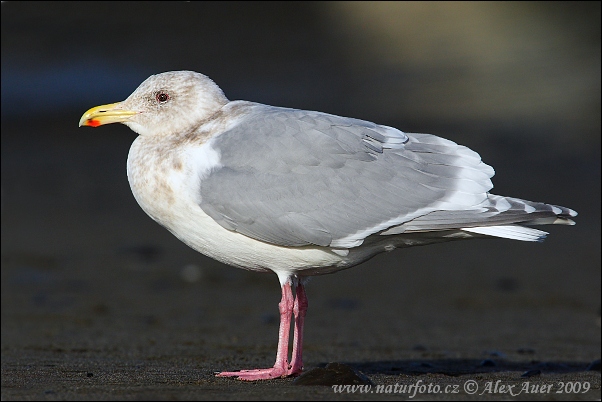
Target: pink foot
{"points": [[288, 306], [257, 374]]}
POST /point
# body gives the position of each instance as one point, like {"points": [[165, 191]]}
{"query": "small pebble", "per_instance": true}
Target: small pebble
{"points": [[496, 353], [594, 366], [421, 364], [332, 374], [531, 373], [487, 363]]}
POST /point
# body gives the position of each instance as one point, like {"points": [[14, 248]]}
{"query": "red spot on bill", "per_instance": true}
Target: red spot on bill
{"points": [[93, 123]]}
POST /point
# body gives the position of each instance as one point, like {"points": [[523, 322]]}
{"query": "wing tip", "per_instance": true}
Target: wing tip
{"points": [[513, 232]]}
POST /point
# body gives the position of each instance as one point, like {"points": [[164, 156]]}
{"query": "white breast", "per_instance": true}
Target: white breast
{"points": [[166, 183]]}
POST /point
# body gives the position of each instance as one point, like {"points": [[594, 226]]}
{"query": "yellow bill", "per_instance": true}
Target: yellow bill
{"points": [[106, 114]]}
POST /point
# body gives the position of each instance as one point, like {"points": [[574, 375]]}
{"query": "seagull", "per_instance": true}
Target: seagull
{"points": [[301, 193]]}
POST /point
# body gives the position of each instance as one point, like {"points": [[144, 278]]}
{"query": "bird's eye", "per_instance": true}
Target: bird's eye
{"points": [[162, 97]]}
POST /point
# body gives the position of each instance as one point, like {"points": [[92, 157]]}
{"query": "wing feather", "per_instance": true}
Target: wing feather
{"points": [[295, 178]]}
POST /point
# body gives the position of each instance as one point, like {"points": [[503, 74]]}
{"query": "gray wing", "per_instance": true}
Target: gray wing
{"points": [[294, 178]]}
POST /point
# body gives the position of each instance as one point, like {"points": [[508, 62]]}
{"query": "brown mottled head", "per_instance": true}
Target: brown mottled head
{"points": [[163, 105]]}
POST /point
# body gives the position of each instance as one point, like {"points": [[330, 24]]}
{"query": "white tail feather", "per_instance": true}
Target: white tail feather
{"points": [[514, 232]]}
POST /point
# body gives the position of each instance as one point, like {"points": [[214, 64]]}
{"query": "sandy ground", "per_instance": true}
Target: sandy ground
{"points": [[101, 303]]}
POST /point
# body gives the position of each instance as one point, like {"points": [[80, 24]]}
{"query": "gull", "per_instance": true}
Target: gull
{"points": [[301, 193]]}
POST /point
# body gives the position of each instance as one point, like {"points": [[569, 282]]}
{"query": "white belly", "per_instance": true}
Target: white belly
{"points": [[166, 184]]}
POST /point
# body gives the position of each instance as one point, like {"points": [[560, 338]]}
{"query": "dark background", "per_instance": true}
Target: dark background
{"points": [[100, 302]]}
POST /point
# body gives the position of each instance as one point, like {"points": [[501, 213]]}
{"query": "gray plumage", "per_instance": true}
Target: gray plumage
{"points": [[301, 193], [299, 178], [310, 178]]}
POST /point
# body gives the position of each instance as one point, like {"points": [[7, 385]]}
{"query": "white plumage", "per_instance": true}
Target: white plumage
{"points": [[301, 193]]}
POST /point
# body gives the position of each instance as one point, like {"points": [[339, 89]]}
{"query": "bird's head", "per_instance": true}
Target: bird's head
{"points": [[163, 104]]}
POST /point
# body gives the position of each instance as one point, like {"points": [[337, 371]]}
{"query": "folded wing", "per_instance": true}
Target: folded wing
{"points": [[296, 178]]}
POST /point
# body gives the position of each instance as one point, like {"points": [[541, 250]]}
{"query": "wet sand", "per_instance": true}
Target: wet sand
{"points": [[101, 303]]}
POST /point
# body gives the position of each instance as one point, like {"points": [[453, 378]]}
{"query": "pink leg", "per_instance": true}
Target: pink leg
{"points": [[300, 308], [281, 368]]}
